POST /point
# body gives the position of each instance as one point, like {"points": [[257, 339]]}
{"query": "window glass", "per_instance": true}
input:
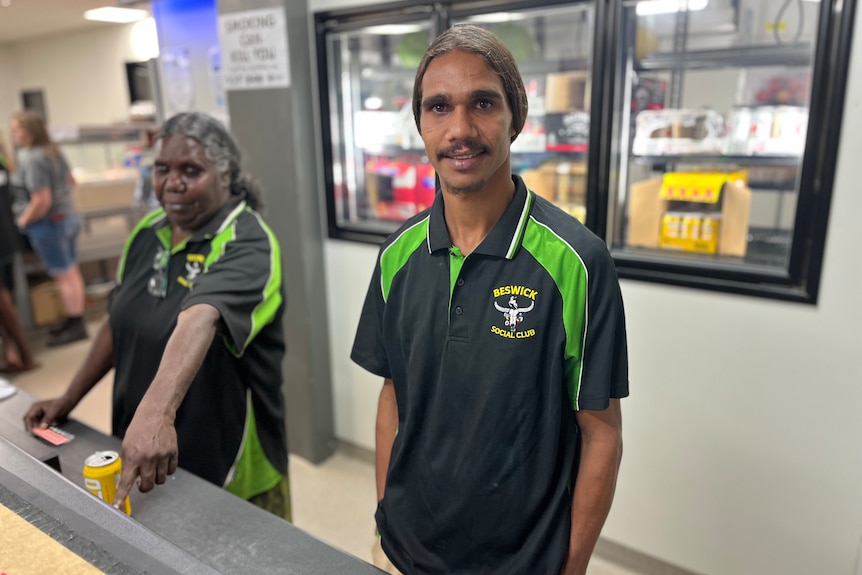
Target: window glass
{"points": [[553, 47], [713, 116]]}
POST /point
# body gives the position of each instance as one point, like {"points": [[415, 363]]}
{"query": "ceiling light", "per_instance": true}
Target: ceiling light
{"points": [[144, 39], [652, 7], [393, 29], [116, 15], [497, 17]]}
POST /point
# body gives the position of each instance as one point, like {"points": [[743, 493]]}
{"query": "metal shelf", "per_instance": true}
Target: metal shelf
{"points": [[745, 57], [720, 159], [103, 134]]}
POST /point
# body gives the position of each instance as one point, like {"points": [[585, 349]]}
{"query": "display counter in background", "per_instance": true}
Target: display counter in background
{"points": [[186, 525]]}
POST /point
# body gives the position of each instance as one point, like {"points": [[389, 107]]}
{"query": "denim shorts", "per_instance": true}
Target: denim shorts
{"points": [[55, 242]]}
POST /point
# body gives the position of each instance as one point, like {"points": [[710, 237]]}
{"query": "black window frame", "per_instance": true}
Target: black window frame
{"points": [[801, 280]]}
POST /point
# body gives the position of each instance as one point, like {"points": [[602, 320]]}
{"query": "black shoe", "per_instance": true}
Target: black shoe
{"points": [[73, 331], [58, 328]]}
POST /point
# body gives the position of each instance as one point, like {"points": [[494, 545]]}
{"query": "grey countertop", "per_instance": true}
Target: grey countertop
{"points": [[187, 524]]}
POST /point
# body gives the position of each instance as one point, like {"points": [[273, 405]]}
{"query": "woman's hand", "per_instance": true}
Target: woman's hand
{"points": [[38, 208], [48, 412], [149, 452]]}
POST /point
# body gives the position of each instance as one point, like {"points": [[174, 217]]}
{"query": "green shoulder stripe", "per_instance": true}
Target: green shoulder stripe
{"points": [[266, 310], [568, 271], [145, 222], [398, 252], [225, 234]]}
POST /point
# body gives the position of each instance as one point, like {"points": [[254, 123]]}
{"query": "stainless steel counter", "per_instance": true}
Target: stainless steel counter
{"points": [[184, 526]]}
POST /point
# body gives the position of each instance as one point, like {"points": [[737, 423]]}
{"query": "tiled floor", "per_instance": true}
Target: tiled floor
{"points": [[333, 501]]}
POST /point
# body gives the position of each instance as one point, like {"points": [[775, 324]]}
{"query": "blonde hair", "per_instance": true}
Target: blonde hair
{"points": [[34, 124], [7, 158]]}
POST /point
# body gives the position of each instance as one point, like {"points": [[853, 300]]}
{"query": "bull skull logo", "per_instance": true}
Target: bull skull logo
{"points": [[193, 269], [513, 315]]}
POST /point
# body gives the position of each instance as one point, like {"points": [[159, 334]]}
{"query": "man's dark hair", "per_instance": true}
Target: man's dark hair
{"points": [[475, 40]]}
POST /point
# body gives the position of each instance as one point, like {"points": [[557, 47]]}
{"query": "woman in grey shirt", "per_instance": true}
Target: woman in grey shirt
{"points": [[49, 220]]}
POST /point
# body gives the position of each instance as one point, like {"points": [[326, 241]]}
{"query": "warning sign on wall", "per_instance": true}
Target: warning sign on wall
{"points": [[254, 49]]}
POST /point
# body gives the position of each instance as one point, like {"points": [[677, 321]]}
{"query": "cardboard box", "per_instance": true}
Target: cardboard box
{"points": [[567, 91], [104, 194], [647, 208], [45, 304], [690, 232], [563, 183]]}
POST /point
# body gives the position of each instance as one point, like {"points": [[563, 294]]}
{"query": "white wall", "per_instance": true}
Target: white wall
{"points": [[82, 74], [742, 431], [8, 95]]}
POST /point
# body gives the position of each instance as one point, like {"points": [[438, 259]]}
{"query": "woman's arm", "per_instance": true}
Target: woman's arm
{"points": [[150, 449], [38, 208], [99, 361]]}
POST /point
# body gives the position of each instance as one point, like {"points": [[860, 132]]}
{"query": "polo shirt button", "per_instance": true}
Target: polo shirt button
{"points": [[458, 310], [460, 281]]}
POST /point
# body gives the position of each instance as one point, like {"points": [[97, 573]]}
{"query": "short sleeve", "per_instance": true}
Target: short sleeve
{"points": [[242, 279], [369, 350], [605, 366], [37, 172]]}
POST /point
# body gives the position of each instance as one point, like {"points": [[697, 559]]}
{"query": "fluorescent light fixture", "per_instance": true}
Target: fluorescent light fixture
{"points": [[144, 39], [497, 17], [393, 29], [653, 7], [115, 15]]}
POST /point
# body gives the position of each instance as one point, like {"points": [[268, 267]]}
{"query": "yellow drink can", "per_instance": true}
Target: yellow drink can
{"points": [[102, 472]]}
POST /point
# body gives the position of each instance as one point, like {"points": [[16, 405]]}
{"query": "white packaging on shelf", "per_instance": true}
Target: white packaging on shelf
{"points": [[767, 131], [674, 132]]}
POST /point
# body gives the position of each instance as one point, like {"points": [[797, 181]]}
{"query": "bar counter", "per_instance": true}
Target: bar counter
{"points": [[186, 525]]}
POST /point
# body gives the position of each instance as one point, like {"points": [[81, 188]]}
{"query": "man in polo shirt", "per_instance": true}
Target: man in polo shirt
{"points": [[497, 323]]}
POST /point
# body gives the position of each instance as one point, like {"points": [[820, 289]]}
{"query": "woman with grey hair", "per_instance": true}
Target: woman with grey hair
{"points": [[204, 264]]}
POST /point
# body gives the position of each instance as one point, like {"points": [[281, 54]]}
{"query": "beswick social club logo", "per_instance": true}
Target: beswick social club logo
{"points": [[193, 269], [518, 301]]}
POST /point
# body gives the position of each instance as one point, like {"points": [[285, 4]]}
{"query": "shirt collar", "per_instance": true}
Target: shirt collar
{"points": [[505, 237]]}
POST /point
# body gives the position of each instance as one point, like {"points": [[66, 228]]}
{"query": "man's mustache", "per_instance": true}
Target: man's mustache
{"points": [[462, 148]]}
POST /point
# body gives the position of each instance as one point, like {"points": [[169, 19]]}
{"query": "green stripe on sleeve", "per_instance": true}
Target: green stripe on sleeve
{"points": [[398, 252], [265, 311], [568, 271]]}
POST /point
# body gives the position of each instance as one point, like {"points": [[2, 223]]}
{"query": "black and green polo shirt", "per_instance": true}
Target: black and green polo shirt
{"points": [[230, 426], [491, 355]]}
